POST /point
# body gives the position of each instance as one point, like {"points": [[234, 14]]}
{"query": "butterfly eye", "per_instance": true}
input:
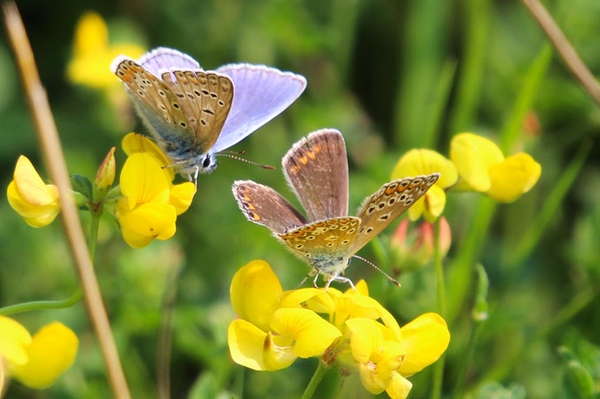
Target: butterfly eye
{"points": [[206, 162]]}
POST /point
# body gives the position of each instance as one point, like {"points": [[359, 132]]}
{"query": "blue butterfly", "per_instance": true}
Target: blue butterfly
{"points": [[193, 114]]}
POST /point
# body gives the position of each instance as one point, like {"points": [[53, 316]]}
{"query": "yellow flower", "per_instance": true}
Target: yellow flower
{"points": [[483, 168], [92, 54], [30, 197], [383, 353], [423, 162], [37, 361], [150, 204], [267, 336], [385, 358], [276, 327]]}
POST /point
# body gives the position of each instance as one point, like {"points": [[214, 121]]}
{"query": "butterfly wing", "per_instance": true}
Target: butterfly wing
{"points": [[206, 98], [263, 205], [162, 58], [389, 202], [325, 244], [317, 169], [155, 102], [261, 93]]}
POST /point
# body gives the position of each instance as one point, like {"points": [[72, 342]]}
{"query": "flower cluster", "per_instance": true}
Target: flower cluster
{"points": [[146, 204], [39, 360], [481, 167], [349, 329], [151, 202], [475, 164]]}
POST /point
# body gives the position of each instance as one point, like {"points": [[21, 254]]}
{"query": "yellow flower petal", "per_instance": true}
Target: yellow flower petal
{"points": [[361, 289], [251, 347], [133, 143], [277, 357], [425, 339], [422, 162], [399, 387], [314, 299], [92, 54], [474, 156], [91, 34], [431, 205], [246, 343], [255, 291], [513, 177], [366, 338], [14, 340], [51, 353], [359, 306], [182, 196], [30, 185], [377, 352], [30, 197], [313, 335], [146, 223], [143, 181]]}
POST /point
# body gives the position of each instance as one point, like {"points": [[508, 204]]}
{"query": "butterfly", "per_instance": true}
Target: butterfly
{"points": [[194, 114], [316, 168]]}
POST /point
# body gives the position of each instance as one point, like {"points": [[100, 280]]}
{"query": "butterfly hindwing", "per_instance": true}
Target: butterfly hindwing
{"points": [[325, 245], [263, 205], [206, 98], [317, 169]]}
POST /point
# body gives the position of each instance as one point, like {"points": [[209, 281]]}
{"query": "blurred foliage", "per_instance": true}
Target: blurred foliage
{"points": [[391, 75]]}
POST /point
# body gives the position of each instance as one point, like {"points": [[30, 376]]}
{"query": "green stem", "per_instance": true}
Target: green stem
{"points": [[461, 272], [316, 379], [438, 367], [462, 373], [40, 305], [94, 226], [479, 314], [439, 270]]}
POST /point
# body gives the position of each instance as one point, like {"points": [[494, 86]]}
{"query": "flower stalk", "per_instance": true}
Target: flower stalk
{"points": [[51, 147]]}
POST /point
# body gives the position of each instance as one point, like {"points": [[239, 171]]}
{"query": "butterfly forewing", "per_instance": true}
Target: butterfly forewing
{"points": [[317, 169], [206, 99], [389, 202], [154, 100], [261, 93], [263, 205]]}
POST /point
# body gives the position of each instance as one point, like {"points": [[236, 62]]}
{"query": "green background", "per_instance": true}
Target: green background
{"points": [[391, 76]]}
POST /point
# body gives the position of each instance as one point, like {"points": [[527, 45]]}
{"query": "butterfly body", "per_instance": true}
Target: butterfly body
{"points": [[316, 168], [194, 114]]}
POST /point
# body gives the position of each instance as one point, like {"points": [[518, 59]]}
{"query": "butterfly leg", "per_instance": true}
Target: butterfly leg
{"points": [[341, 279], [315, 281]]}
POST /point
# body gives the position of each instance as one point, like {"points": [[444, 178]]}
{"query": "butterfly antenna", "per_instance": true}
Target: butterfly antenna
{"points": [[393, 280], [235, 155]]}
